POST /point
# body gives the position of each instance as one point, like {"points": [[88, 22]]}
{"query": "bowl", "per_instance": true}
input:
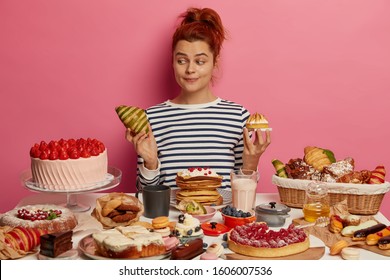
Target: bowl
{"points": [[205, 217], [232, 222]]}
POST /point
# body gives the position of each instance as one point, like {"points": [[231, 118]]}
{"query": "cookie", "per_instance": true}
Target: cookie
{"points": [[110, 206]]}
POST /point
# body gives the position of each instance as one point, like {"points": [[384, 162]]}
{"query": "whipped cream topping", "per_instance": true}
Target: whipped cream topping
{"points": [[198, 171], [189, 225]]}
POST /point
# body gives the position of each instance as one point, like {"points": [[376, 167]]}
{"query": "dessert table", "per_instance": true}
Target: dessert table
{"points": [[88, 224]]}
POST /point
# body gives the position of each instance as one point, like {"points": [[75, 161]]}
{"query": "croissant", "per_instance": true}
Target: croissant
{"points": [[318, 157], [355, 177], [134, 118], [378, 175]]}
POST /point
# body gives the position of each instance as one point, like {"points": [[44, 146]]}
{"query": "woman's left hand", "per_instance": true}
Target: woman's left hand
{"points": [[253, 149]]}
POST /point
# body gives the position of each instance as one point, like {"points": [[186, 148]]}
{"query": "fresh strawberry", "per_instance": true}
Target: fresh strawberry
{"points": [[44, 155], [85, 154], [53, 155], [42, 146], [63, 155], [95, 152]]}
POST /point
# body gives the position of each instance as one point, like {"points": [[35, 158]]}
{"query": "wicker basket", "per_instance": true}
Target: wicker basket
{"points": [[362, 199]]}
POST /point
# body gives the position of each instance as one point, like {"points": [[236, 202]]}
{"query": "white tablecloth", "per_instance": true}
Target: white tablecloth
{"points": [[87, 224]]}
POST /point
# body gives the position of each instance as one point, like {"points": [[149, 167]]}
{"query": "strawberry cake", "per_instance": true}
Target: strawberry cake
{"points": [[68, 164], [46, 217], [257, 240]]}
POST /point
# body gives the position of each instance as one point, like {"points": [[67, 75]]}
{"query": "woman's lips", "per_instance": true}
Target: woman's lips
{"points": [[190, 80]]}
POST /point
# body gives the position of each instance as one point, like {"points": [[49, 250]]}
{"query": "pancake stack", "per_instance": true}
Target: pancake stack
{"points": [[199, 184]]}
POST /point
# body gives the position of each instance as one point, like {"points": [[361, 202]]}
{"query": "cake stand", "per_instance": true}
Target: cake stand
{"points": [[112, 179]]}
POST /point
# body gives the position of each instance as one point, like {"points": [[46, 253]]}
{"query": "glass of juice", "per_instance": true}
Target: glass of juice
{"points": [[244, 184], [316, 201]]}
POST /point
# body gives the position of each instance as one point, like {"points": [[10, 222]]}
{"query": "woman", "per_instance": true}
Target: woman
{"points": [[196, 128]]}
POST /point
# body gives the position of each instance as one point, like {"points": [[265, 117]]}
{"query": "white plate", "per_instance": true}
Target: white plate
{"points": [[225, 193], [87, 246]]}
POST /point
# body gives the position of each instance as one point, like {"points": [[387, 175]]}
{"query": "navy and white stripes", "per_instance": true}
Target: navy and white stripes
{"points": [[204, 135]]}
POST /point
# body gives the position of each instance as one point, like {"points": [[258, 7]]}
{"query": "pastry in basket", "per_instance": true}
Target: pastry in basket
{"points": [[336, 170], [355, 177], [117, 209], [47, 217], [256, 240], [133, 118], [298, 169], [257, 121], [16, 242], [131, 242], [377, 175], [318, 157], [279, 168]]}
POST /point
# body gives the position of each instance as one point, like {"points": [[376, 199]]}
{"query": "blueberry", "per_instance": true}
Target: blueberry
{"points": [[197, 228], [189, 232], [224, 244], [205, 245], [224, 237]]}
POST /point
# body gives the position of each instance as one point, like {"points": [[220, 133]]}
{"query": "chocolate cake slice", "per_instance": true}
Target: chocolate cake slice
{"points": [[54, 244]]}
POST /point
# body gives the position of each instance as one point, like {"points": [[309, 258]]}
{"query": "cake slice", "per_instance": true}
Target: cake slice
{"points": [[257, 121], [54, 244]]}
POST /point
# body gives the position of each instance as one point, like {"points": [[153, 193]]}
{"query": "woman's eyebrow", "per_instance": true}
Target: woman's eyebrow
{"points": [[183, 54]]}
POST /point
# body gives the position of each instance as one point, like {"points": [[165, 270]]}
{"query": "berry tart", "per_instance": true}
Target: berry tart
{"points": [[68, 164], [46, 217], [256, 240]]}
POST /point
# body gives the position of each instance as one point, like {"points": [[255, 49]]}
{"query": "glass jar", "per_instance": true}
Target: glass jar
{"points": [[316, 202]]}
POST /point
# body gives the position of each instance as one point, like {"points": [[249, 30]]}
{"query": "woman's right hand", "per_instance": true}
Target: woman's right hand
{"points": [[146, 147]]}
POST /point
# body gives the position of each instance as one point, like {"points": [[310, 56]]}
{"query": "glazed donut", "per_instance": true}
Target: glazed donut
{"points": [[363, 233], [384, 243], [373, 238]]}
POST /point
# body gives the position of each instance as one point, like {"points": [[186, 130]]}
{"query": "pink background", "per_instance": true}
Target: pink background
{"points": [[319, 70]]}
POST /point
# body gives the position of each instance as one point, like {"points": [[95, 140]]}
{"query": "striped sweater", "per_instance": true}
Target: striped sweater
{"points": [[199, 135]]}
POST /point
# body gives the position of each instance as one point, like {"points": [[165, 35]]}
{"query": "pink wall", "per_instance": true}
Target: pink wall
{"points": [[318, 69]]}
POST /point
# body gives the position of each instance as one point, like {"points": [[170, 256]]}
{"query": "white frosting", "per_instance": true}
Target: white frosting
{"points": [[121, 238], [199, 171], [70, 174], [189, 223]]}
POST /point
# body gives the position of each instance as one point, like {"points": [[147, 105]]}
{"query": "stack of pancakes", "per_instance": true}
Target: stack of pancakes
{"points": [[201, 188]]}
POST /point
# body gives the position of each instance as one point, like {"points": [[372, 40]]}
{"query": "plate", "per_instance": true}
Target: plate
{"points": [[112, 179], [226, 195], [68, 255], [87, 247]]}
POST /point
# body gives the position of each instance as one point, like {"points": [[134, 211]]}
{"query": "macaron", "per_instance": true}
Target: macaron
{"points": [[349, 253], [208, 256], [170, 242], [160, 222], [215, 248]]}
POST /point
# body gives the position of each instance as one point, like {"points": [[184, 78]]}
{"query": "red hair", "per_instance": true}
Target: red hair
{"points": [[201, 24]]}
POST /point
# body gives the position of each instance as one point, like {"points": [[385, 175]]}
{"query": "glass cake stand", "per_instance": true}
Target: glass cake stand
{"points": [[113, 178]]}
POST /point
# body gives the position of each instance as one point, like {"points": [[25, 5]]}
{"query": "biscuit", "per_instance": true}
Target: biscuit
{"points": [[110, 205], [128, 207], [124, 217], [114, 213], [160, 222]]}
